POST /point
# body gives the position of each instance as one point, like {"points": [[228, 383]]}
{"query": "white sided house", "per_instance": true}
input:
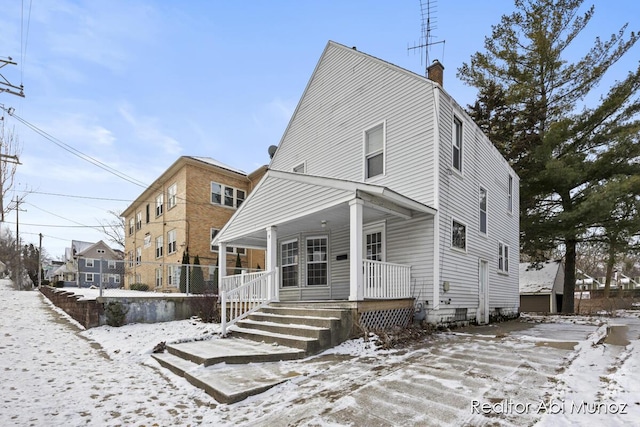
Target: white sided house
{"points": [[384, 196]]}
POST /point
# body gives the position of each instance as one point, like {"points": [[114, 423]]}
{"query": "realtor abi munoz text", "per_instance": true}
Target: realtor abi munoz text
{"points": [[510, 406]]}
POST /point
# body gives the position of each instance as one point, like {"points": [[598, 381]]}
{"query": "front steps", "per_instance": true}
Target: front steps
{"points": [[271, 334]]}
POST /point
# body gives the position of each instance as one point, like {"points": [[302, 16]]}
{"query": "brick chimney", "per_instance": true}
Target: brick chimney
{"points": [[435, 72]]}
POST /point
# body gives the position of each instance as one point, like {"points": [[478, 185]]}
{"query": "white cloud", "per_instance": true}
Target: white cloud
{"points": [[147, 129]]}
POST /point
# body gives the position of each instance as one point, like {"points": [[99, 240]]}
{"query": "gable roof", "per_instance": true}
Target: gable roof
{"points": [[97, 245], [540, 278]]}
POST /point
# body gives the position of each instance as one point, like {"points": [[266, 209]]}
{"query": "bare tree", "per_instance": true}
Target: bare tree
{"points": [[113, 228], [9, 150]]}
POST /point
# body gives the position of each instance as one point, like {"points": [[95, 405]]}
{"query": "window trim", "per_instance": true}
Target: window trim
{"points": [[302, 165], [139, 220], [453, 246], [212, 235], [366, 156], [325, 262], [503, 257], [89, 277], [510, 194], [159, 204], [111, 264], [283, 265], [89, 262], [159, 251], [158, 278], [485, 211], [138, 255], [457, 143], [172, 244], [132, 228], [236, 202], [372, 228], [172, 195]]}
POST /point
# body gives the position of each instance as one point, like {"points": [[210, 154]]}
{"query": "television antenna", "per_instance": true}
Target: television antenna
{"points": [[428, 9]]}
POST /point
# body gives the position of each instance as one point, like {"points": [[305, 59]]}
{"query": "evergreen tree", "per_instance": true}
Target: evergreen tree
{"points": [[561, 149], [183, 271], [215, 277], [197, 277]]}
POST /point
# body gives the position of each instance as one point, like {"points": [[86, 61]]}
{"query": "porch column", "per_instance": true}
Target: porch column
{"points": [[222, 263], [356, 279], [271, 259]]}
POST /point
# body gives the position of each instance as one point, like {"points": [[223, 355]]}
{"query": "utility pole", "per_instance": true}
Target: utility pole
{"points": [[5, 86], [18, 249]]}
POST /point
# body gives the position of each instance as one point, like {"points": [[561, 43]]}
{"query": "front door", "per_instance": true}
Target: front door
{"points": [[483, 292]]}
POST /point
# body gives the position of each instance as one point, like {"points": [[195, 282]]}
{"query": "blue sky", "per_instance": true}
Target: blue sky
{"points": [[136, 84]]}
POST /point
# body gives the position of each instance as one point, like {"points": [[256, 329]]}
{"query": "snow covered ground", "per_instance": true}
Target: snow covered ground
{"points": [[555, 372]]}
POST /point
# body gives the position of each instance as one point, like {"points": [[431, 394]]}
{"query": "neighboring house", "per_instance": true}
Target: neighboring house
{"points": [[50, 268], [185, 208], [541, 286], [98, 265], [383, 188]]}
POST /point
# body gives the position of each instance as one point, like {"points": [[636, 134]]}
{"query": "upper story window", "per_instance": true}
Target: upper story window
{"points": [[459, 235], [147, 240], [148, 214], [138, 255], [510, 195], [171, 241], [131, 226], [374, 151], [172, 192], [214, 233], [300, 168], [138, 220], [457, 144], [483, 210], [159, 246], [111, 264], [159, 204], [88, 262], [226, 196]]}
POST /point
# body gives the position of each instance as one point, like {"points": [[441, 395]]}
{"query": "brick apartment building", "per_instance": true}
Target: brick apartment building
{"points": [[184, 209]]}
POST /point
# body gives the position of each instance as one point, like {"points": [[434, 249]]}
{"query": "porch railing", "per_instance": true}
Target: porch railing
{"points": [[384, 280], [237, 280], [239, 302]]}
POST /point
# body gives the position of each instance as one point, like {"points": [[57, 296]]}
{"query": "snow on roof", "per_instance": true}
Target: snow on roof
{"points": [[214, 162], [538, 278]]}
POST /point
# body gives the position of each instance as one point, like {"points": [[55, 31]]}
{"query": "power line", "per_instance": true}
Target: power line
{"points": [[76, 152]]}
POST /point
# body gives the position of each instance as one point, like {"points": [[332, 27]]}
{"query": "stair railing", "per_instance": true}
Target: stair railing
{"points": [[239, 302]]}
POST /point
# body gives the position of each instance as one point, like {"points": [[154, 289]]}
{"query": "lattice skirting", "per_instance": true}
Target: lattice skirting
{"points": [[385, 319]]}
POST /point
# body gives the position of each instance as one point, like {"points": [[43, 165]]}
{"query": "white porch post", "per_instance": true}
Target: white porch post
{"points": [[356, 279], [272, 261], [222, 263]]}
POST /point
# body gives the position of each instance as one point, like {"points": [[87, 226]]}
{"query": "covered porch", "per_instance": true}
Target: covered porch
{"points": [[324, 239]]}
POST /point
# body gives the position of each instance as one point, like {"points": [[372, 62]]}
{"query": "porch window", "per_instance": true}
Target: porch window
{"points": [[374, 151], [373, 246], [317, 261], [289, 260], [459, 235]]}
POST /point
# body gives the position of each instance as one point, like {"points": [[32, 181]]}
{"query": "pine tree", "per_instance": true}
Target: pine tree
{"points": [[197, 277], [560, 148], [183, 271], [238, 269]]}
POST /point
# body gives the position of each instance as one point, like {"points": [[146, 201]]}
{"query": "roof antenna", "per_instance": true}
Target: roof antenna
{"points": [[428, 24]]}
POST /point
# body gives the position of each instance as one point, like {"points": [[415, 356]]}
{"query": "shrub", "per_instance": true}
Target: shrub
{"points": [[115, 313], [139, 287], [59, 284], [205, 306]]}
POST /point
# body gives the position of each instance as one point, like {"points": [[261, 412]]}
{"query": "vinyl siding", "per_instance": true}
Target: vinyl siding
{"points": [[348, 94], [482, 165]]}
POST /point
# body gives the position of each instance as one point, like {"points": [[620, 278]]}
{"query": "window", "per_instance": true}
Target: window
{"points": [[131, 226], [159, 246], [147, 240], [317, 261], [289, 260], [173, 278], [227, 196], [503, 257], [158, 277], [111, 264], [138, 255], [172, 192], [214, 233], [171, 242], [116, 278], [88, 262], [138, 220], [510, 195], [148, 214], [373, 246], [100, 251], [483, 210], [374, 151], [457, 144], [88, 277], [459, 235], [239, 197], [130, 258], [159, 204], [300, 168]]}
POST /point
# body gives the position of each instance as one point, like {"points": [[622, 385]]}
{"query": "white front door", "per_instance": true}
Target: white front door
{"points": [[483, 292]]}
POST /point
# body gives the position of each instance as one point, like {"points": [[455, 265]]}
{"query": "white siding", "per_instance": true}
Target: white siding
{"points": [[348, 94], [459, 199]]}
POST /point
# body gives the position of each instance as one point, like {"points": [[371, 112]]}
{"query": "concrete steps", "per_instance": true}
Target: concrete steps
{"points": [[270, 335]]}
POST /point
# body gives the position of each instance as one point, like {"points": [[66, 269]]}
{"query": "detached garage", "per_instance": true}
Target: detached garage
{"points": [[541, 286]]}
